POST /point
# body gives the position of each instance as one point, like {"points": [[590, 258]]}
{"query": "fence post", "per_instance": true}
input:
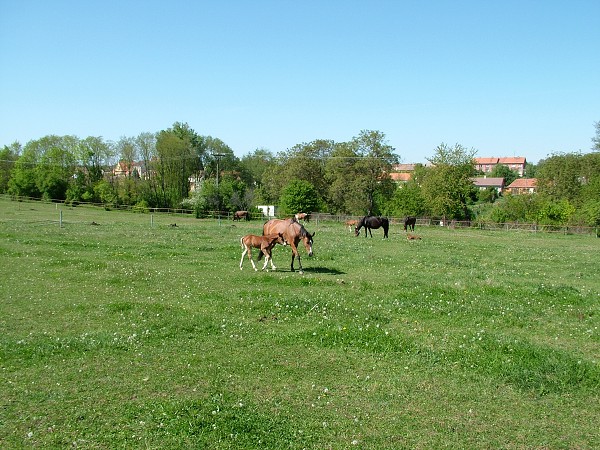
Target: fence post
{"points": [[151, 220], [60, 219]]}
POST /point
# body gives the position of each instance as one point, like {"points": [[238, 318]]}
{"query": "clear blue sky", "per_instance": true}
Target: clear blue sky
{"points": [[507, 78]]}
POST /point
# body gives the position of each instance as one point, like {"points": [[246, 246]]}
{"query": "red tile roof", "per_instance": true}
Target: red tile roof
{"points": [[523, 183]]}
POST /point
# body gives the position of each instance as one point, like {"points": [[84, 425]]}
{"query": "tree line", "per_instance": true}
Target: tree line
{"points": [[179, 168]]}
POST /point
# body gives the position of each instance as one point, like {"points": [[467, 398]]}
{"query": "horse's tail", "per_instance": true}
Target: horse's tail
{"points": [[242, 241]]}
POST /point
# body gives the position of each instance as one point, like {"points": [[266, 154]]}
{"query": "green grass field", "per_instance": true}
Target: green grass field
{"points": [[136, 334]]}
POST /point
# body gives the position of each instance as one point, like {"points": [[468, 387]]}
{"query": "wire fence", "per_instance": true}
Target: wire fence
{"points": [[346, 219]]}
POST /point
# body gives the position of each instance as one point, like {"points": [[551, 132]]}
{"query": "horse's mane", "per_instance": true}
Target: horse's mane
{"points": [[303, 232]]}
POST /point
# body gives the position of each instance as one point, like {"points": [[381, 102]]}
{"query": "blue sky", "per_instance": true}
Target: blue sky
{"points": [[507, 78]]}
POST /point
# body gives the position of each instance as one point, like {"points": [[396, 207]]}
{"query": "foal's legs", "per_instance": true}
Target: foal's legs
{"points": [[249, 252], [268, 257]]}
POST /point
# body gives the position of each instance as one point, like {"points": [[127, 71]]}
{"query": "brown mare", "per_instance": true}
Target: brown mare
{"points": [[238, 215], [264, 243], [293, 233]]}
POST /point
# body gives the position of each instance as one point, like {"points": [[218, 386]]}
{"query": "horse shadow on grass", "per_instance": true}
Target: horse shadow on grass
{"points": [[323, 270]]}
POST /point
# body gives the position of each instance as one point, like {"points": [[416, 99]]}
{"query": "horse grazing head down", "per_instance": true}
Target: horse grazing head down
{"points": [[372, 222], [307, 240], [293, 232]]}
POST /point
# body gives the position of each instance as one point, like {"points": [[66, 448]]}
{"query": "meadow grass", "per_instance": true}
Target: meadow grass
{"points": [[132, 333]]}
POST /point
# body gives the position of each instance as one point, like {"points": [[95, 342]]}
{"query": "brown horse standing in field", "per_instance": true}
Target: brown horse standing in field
{"points": [[372, 222], [293, 233], [239, 215], [264, 243]]}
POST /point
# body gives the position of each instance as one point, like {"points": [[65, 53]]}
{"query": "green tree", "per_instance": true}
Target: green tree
{"points": [[407, 201], [8, 156], [447, 187], [56, 168], [255, 164], [516, 208], [93, 154], [559, 177], [502, 171], [23, 177], [589, 213], [105, 192], [148, 191], [373, 186], [200, 146], [299, 196], [340, 174], [177, 160], [555, 212]]}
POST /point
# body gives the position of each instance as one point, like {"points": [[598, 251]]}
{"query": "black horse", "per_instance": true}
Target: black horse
{"points": [[409, 223], [372, 222]]}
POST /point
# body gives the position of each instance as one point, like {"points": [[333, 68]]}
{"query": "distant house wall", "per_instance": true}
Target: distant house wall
{"points": [[522, 186], [267, 210], [493, 182]]}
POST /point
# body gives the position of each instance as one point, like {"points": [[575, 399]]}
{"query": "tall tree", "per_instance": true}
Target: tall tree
{"points": [[176, 162], [8, 157], [199, 145], [96, 156], [23, 177], [56, 166], [127, 154], [447, 187], [559, 177], [340, 175], [146, 151], [407, 200], [255, 164], [372, 167], [306, 162], [299, 196]]}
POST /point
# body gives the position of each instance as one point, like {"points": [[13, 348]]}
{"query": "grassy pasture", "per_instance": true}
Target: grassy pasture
{"points": [[138, 334]]}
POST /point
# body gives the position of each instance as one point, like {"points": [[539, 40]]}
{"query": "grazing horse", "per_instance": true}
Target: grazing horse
{"points": [[372, 222], [239, 215], [302, 216], [264, 243], [409, 223], [293, 233]]}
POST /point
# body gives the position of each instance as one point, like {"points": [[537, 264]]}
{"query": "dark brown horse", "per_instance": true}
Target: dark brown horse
{"points": [[293, 233], [372, 222], [409, 223], [239, 215]]}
